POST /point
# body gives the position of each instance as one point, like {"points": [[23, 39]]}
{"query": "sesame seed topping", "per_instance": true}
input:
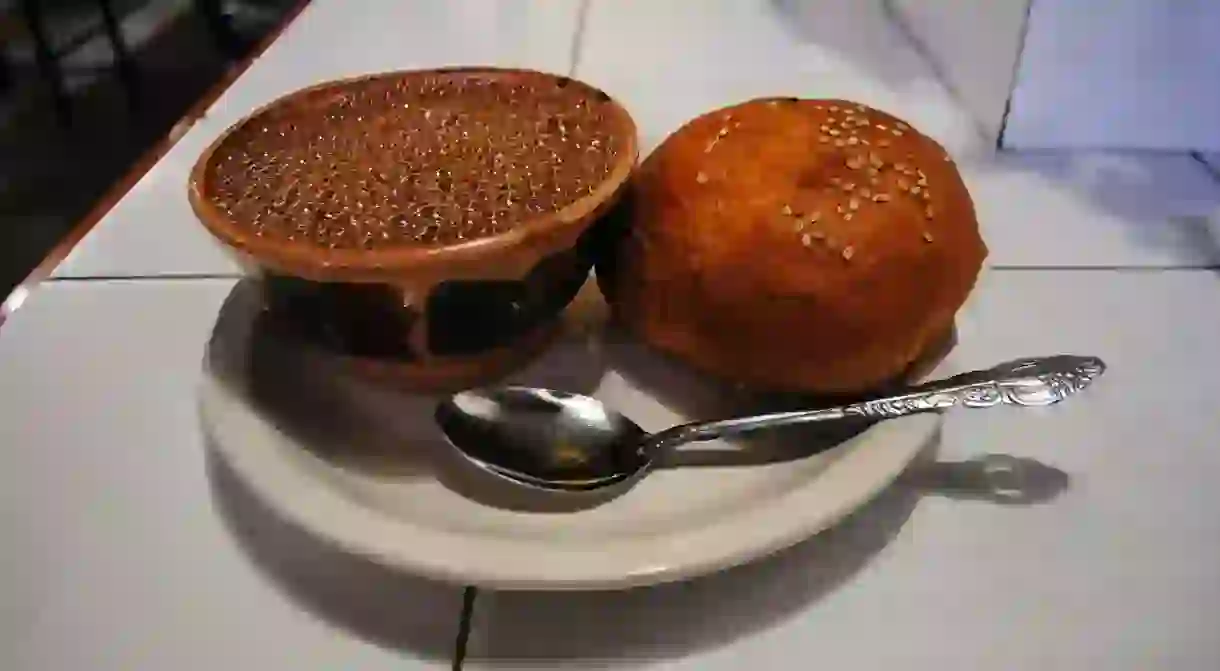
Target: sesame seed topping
{"points": [[723, 131], [855, 163], [835, 132], [903, 184], [873, 172], [853, 204], [948, 158], [853, 140], [840, 143], [927, 237], [915, 190], [849, 186], [881, 126], [710, 146], [824, 128], [806, 240], [834, 108], [865, 193], [701, 178], [902, 126], [798, 226], [861, 107], [847, 217], [881, 198], [897, 132], [787, 210], [848, 252], [864, 142]]}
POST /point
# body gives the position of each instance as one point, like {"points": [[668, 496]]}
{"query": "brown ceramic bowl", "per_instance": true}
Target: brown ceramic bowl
{"points": [[432, 224]]}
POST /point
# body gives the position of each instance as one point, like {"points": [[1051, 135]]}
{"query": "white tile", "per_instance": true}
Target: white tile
{"points": [[152, 231], [1095, 209], [671, 61], [1140, 75], [1119, 570], [125, 549], [975, 46]]}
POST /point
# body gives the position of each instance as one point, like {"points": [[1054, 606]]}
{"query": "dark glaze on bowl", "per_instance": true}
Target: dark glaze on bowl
{"points": [[430, 224]]}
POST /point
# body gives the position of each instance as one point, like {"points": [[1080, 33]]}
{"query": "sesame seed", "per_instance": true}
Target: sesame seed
{"points": [[848, 252], [787, 210], [873, 172], [840, 143], [834, 109], [947, 158], [855, 163], [798, 226], [927, 237], [902, 126], [928, 212], [900, 167], [835, 132], [710, 146], [897, 132], [860, 107], [806, 240], [903, 184], [881, 198], [874, 159], [701, 178], [824, 128], [881, 126], [849, 186], [853, 204], [723, 131], [853, 140], [865, 193], [847, 217], [864, 142], [915, 190]]}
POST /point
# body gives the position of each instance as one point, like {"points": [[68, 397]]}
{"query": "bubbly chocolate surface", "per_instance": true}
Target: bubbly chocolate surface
{"points": [[414, 159]]}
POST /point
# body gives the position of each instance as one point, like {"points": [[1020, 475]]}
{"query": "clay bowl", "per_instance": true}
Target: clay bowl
{"points": [[430, 225]]}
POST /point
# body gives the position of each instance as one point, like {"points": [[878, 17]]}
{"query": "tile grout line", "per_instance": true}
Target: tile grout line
{"points": [[1212, 170], [179, 277], [1016, 73], [578, 37], [464, 623]]}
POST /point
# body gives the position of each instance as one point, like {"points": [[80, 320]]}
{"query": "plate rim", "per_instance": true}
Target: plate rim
{"points": [[881, 453]]}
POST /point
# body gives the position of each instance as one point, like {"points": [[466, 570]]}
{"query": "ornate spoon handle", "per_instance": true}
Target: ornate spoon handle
{"points": [[1024, 382]]}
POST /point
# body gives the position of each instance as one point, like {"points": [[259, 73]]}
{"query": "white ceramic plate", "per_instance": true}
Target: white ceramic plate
{"points": [[363, 466]]}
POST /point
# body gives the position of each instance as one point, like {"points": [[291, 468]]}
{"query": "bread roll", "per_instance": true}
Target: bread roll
{"points": [[795, 245]]}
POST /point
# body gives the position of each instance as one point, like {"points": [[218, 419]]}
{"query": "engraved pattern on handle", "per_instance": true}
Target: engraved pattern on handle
{"points": [[1024, 382]]}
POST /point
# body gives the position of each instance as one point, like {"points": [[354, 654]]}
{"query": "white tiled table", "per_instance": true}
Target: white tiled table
{"points": [[121, 549]]}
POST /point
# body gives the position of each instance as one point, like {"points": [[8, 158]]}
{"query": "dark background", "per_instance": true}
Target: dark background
{"points": [[60, 153]]}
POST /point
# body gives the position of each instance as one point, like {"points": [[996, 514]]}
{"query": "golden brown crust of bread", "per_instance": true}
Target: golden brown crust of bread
{"points": [[796, 245]]}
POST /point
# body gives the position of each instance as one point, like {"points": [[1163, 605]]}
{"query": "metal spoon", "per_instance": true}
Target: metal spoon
{"points": [[562, 442]]}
